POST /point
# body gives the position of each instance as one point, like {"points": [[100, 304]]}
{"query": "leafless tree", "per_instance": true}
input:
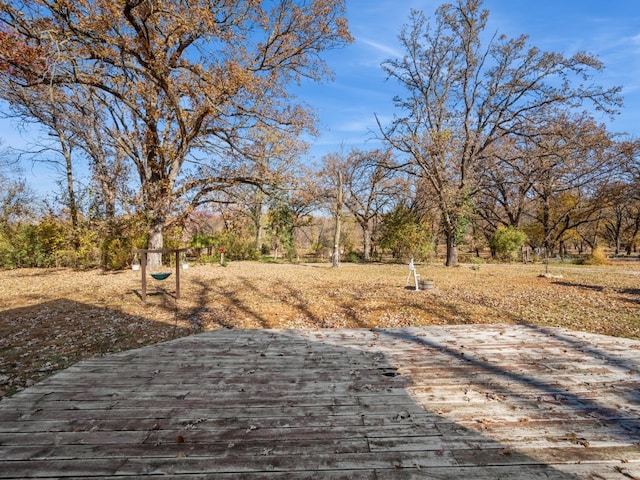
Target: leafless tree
{"points": [[463, 96], [371, 188]]}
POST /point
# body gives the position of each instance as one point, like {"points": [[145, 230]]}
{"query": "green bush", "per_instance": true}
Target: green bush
{"points": [[506, 243], [355, 257], [405, 236], [115, 240], [7, 259], [32, 245], [236, 247]]}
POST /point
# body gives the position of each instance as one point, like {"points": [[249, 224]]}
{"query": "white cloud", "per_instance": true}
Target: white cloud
{"points": [[386, 50]]}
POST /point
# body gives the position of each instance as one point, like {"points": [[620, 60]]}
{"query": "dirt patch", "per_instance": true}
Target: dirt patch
{"points": [[50, 319]]}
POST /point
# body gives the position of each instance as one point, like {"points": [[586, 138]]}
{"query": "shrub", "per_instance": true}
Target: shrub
{"points": [[405, 236], [32, 245], [597, 257], [118, 239], [236, 247], [354, 257], [507, 242]]}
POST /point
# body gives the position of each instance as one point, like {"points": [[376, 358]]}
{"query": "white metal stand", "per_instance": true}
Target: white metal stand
{"points": [[412, 271]]}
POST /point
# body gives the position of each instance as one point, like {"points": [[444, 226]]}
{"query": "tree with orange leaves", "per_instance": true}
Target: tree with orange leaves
{"points": [[185, 82]]}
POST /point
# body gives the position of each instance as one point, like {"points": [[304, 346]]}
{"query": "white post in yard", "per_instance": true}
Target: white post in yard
{"points": [[412, 270]]}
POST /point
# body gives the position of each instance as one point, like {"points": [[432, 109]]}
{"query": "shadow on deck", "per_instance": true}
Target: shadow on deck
{"points": [[481, 402]]}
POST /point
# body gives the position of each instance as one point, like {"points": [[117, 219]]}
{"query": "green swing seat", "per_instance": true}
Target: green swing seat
{"points": [[161, 276]]}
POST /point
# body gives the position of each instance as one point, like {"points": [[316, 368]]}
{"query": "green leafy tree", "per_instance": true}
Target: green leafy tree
{"points": [[405, 236], [281, 223], [506, 243]]}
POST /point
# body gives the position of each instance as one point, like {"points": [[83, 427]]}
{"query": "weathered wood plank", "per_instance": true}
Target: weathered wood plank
{"points": [[481, 402]]}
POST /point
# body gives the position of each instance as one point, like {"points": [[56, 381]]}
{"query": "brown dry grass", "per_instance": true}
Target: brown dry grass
{"points": [[50, 319]]}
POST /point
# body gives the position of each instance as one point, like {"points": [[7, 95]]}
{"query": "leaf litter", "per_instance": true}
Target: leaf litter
{"points": [[51, 319]]}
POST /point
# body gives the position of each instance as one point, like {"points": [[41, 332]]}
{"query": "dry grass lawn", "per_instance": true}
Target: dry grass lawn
{"points": [[50, 319]]}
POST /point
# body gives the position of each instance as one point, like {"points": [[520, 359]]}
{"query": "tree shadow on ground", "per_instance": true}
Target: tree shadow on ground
{"points": [[634, 293], [539, 374], [204, 314], [581, 286], [39, 340], [631, 295], [630, 291]]}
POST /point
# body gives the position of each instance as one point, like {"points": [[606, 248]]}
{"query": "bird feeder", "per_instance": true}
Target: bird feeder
{"points": [[143, 252]]}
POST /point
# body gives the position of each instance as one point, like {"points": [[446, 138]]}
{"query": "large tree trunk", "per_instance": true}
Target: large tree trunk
{"points": [[108, 191], [257, 219], [335, 257], [259, 236], [366, 240], [450, 222], [154, 260], [73, 204], [546, 229], [452, 250]]}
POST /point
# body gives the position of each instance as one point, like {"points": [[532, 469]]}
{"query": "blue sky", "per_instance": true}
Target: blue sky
{"points": [[346, 107]]}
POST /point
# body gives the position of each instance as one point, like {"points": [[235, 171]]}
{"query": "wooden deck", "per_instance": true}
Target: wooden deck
{"points": [[454, 402]]}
